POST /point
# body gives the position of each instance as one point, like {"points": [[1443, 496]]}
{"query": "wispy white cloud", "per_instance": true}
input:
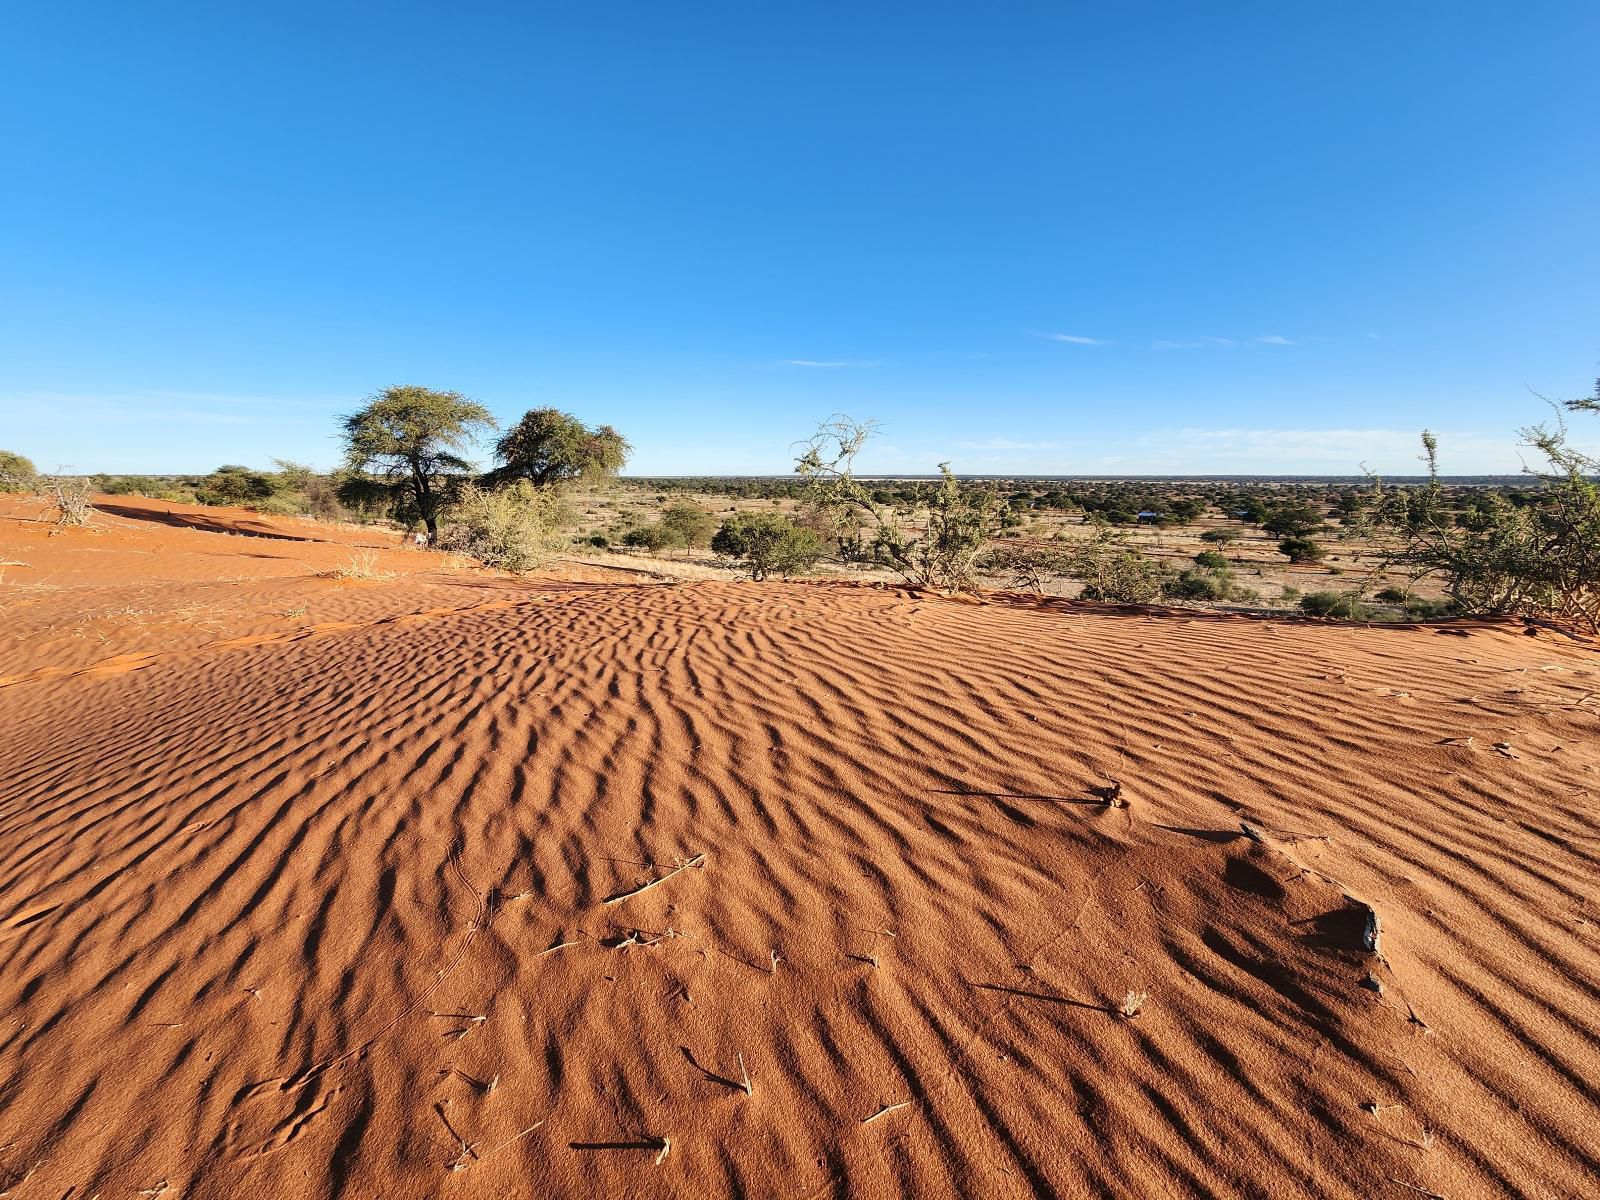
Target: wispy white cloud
{"points": [[816, 362], [1073, 339], [1273, 339], [1191, 344]]}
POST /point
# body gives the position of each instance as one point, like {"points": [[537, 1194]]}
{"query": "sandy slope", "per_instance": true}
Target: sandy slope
{"points": [[350, 904]]}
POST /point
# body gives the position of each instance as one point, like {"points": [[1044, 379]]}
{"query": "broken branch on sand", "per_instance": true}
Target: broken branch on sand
{"points": [[885, 1111], [619, 897]]}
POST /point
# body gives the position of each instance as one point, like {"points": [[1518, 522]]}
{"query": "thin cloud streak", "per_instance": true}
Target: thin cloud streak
{"points": [[827, 363]]}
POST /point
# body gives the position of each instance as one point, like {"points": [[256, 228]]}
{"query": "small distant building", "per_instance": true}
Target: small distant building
{"points": [[1146, 517]]}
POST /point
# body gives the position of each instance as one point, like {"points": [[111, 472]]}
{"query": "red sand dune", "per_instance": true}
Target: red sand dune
{"points": [[453, 885]]}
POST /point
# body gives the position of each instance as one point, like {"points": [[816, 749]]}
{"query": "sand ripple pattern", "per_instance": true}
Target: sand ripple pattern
{"points": [[722, 889]]}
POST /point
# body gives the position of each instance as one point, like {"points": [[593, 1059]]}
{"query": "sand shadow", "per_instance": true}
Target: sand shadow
{"points": [[204, 523]]}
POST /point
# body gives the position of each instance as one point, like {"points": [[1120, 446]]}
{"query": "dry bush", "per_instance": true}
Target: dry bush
{"points": [[363, 564], [513, 528], [1110, 569], [70, 498], [1539, 558], [1029, 566], [961, 520]]}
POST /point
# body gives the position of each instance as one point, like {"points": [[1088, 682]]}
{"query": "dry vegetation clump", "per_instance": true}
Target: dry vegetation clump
{"points": [[69, 497], [945, 553], [1110, 569], [362, 564], [1537, 554], [512, 528]]}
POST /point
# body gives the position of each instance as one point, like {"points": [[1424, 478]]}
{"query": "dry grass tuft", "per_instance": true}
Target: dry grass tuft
{"points": [[363, 564]]}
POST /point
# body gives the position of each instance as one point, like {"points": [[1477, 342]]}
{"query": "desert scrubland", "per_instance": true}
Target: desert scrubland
{"points": [[331, 867]]}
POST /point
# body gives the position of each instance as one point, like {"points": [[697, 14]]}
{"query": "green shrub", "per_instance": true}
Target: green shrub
{"points": [[17, 474], [1336, 604], [1110, 569], [283, 505], [1393, 595], [1416, 606], [1211, 561], [688, 525], [649, 537], [1220, 537], [1214, 586], [767, 543], [599, 541], [1535, 551], [1301, 550], [1293, 520], [234, 486], [513, 528], [961, 519]]}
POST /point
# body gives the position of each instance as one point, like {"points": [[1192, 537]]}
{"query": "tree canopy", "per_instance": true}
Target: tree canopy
{"points": [[414, 437], [550, 446]]}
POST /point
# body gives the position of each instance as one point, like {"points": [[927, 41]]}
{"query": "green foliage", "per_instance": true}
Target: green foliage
{"points": [[1335, 604], [1292, 521], [1534, 553], [648, 537], [1393, 595], [956, 530], [234, 486], [1416, 606], [1211, 560], [688, 525], [413, 438], [17, 474], [767, 543], [1110, 569], [960, 522], [1210, 585], [513, 528], [1220, 537], [548, 446], [1301, 550]]}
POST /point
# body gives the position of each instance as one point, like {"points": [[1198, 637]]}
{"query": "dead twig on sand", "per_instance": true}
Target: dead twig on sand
{"points": [[885, 1111], [619, 897]]}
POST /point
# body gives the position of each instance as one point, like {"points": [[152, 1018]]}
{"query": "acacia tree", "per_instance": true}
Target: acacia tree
{"points": [[549, 446], [414, 438]]}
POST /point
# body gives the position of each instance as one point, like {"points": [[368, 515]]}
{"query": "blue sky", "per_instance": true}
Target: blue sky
{"points": [[1052, 237]]}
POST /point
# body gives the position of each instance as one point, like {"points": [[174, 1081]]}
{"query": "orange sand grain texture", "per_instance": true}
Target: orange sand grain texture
{"points": [[440, 883]]}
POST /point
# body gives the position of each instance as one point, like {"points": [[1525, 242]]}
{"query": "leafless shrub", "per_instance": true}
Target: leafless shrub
{"points": [[70, 498]]}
